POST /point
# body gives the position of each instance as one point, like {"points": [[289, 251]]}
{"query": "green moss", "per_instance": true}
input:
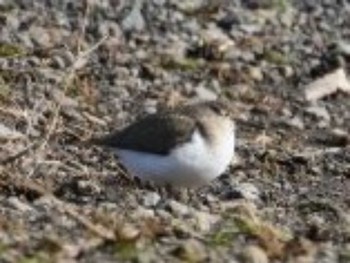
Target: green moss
{"points": [[73, 89], [3, 248], [235, 224], [224, 236], [7, 75], [126, 251], [7, 7], [281, 5], [226, 233], [276, 57], [39, 257], [185, 64], [4, 89], [10, 50], [344, 256]]}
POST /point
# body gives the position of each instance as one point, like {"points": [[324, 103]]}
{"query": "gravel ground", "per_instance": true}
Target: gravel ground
{"points": [[70, 70]]}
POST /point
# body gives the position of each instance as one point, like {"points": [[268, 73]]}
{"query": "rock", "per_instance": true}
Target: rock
{"points": [[151, 199], [19, 205], [175, 50], [26, 40], [263, 139], [343, 47], [65, 101], [226, 22], [128, 232], [333, 138], [250, 28], [255, 73], [9, 134], [178, 209], [288, 17], [111, 29], [236, 54], [69, 106], [88, 187], [205, 93], [33, 61], [164, 215], [327, 85], [326, 253], [142, 212], [254, 254], [60, 19], [195, 5], [40, 37], [287, 71], [191, 251], [345, 253], [302, 255], [204, 221], [319, 112], [245, 190], [192, 26], [134, 21], [216, 43], [150, 106], [159, 2], [50, 75], [5, 4], [295, 122], [58, 62], [68, 57]]}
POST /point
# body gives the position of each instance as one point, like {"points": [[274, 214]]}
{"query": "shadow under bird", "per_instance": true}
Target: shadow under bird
{"points": [[185, 146]]}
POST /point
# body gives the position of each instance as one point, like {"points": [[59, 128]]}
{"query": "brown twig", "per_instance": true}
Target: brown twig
{"points": [[69, 210], [19, 154], [66, 82], [13, 112]]}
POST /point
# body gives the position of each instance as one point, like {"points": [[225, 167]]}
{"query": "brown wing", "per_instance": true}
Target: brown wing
{"points": [[157, 133]]}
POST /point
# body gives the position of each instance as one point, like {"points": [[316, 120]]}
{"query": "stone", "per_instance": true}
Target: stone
{"points": [[128, 232], [191, 251], [142, 212], [343, 47], [255, 73], [178, 208], [328, 84], [40, 37], [58, 62], [254, 254], [247, 191], [190, 6], [295, 122], [134, 21], [150, 106], [7, 133], [16, 203], [204, 221], [319, 112], [205, 93], [151, 199]]}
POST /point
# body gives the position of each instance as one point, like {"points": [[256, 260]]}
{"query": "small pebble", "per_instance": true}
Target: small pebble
{"points": [[151, 199], [254, 254]]}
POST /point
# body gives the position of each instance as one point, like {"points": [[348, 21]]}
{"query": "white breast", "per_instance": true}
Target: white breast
{"points": [[193, 163]]}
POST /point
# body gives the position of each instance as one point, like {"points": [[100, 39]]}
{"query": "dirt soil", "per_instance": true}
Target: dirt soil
{"points": [[71, 70]]}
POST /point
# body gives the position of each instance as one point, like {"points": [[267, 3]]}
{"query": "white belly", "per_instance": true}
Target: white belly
{"points": [[192, 164]]}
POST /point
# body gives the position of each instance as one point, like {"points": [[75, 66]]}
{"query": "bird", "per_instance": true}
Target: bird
{"points": [[185, 146]]}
